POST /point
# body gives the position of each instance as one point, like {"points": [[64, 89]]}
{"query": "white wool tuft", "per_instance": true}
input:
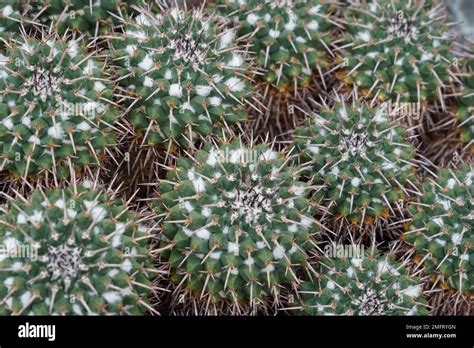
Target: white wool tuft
{"points": [[274, 33], [313, 25], [148, 81], [355, 182], [226, 39], [176, 90], [236, 61], [235, 84], [203, 233], [456, 238], [147, 63], [131, 49], [8, 124], [233, 248], [112, 296], [252, 18], [413, 291], [7, 11], [364, 36], [126, 265], [278, 252], [215, 101], [203, 91], [99, 86]]}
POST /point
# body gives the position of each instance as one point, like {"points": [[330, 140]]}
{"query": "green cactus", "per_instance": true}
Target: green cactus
{"points": [[442, 229], [236, 222], [184, 73], [85, 16], [400, 51], [361, 160], [291, 38], [366, 285], [56, 107], [75, 251]]}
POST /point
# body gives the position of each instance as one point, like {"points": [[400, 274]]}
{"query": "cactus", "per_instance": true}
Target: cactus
{"points": [[236, 222], [184, 74], [73, 251], [84, 16], [441, 231], [399, 51], [291, 38], [366, 285], [56, 107], [360, 159]]}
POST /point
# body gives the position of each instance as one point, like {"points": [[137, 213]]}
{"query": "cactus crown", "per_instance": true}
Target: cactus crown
{"points": [[184, 72], [398, 51], [55, 107], [72, 253], [291, 38], [362, 160], [442, 229], [237, 221], [369, 284]]}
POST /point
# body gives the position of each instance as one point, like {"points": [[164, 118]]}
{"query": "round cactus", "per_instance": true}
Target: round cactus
{"points": [[291, 38], [399, 51], [84, 16], [367, 285], [442, 229], [360, 159], [236, 222], [55, 107], [184, 74], [75, 251]]}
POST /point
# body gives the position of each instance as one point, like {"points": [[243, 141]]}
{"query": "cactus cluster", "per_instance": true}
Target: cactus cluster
{"points": [[360, 159], [183, 75], [370, 284], [56, 107], [73, 251], [441, 231], [291, 39], [237, 222], [398, 51]]}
